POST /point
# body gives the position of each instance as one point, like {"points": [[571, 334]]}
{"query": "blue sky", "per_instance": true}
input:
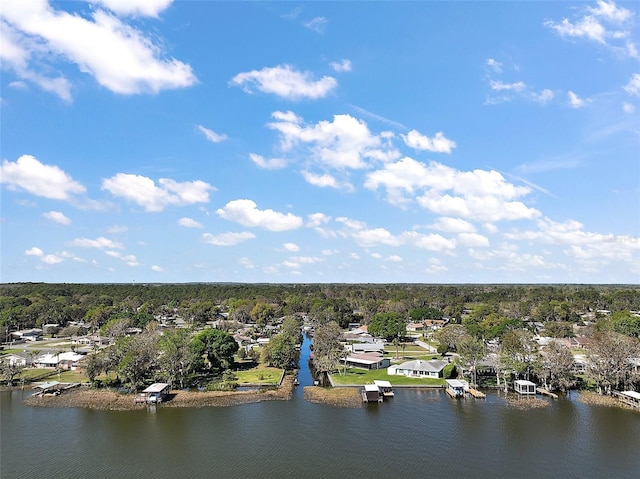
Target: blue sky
{"points": [[431, 142]]}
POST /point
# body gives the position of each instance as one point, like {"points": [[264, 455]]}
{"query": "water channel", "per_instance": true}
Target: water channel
{"points": [[417, 434]]}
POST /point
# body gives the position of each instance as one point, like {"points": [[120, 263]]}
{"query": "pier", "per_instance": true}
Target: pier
{"points": [[477, 394]]}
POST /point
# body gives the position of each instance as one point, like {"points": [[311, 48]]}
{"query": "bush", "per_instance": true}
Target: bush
{"points": [[450, 371]]}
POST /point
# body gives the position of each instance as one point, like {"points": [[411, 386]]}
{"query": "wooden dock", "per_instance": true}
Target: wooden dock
{"points": [[477, 394], [544, 392]]}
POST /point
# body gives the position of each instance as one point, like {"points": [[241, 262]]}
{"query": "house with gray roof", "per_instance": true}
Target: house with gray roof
{"points": [[419, 369]]}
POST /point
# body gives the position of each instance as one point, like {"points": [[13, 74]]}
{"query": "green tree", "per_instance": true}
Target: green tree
{"points": [[471, 351], [388, 326], [138, 359], [327, 348], [215, 347], [519, 352], [281, 351], [262, 314], [176, 357]]}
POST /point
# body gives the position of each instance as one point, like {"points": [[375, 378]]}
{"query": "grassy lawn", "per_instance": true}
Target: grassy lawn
{"points": [[30, 373], [260, 375], [360, 376], [72, 377]]}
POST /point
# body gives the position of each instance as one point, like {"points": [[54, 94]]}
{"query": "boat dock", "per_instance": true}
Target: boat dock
{"points": [[371, 393], [385, 387], [476, 394], [544, 392]]}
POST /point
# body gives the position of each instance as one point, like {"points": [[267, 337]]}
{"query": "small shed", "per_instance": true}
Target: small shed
{"points": [[524, 387], [371, 393], [157, 392]]}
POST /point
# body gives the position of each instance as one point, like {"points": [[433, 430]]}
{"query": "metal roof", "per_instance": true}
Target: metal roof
{"points": [[156, 388]]}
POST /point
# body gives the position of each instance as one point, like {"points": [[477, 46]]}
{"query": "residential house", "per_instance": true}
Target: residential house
{"points": [[368, 361], [364, 348], [33, 334], [419, 369]]}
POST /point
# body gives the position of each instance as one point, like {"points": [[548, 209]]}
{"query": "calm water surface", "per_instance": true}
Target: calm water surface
{"points": [[417, 434]]}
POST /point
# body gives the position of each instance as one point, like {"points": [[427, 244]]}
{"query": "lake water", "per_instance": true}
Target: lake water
{"points": [[417, 434]]}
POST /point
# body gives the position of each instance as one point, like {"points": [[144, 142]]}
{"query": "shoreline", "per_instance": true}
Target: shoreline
{"points": [[109, 400]]}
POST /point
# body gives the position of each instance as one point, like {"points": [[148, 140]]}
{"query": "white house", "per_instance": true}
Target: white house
{"points": [[367, 361], [15, 359], [33, 334], [364, 348], [419, 369], [524, 387]]}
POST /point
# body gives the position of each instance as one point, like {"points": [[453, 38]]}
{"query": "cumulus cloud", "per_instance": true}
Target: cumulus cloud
{"points": [[480, 195], [119, 56], [35, 251], [582, 244], [341, 66], [633, 87], [344, 143], [157, 268], [99, 243], [437, 144], [575, 101], [497, 85], [129, 259], [607, 24], [227, 239], [292, 247], [45, 258], [296, 262], [453, 225], [48, 181], [57, 217], [369, 237], [189, 223], [211, 135], [267, 164], [246, 213], [144, 191], [323, 181], [141, 8], [285, 81]]}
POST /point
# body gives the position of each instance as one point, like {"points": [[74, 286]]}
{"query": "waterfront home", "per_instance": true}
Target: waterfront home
{"points": [[369, 361], [46, 361], [524, 387], [631, 398], [419, 369], [91, 340], [415, 327]]}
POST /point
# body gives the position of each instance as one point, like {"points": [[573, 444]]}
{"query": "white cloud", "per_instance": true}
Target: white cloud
{"points": [[575, 101], [453, 225], [52, 259], [472, 240], [437, 144], [480, 195], [129, 259], [370, 237], [29, 174], [144, 192], [495, 65], [497, 85], [292, 247], [116, 229], [607, 24], [295, 262], [246, 263], [99, 243], [120, 57], [581, 244], [341, 66], [628, 108], [227, 239], [143, 8], [633, 87], [317, 219], [435, 266], [317, 24], [544, 97], [344, 143], [189, 223], [211, 135], [57, 217], [157, 269], [246, 213], [267, 164], [330, 252], [285, 81], [35, 251], [395, 258], [323, 181]]}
